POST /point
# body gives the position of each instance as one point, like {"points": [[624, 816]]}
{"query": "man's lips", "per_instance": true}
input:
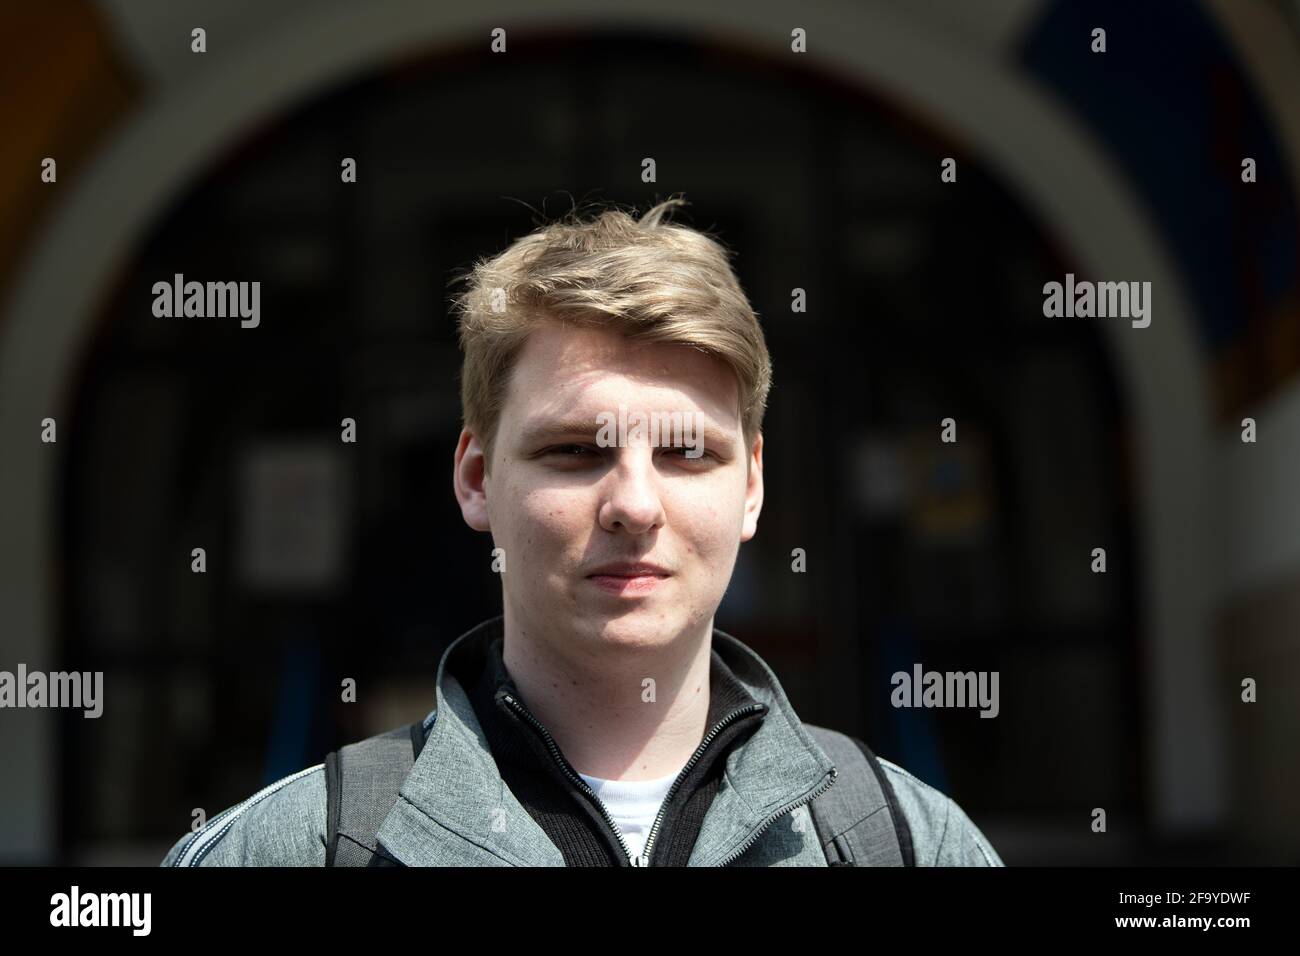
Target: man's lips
{"points": [[634, 578], [629, 569]]}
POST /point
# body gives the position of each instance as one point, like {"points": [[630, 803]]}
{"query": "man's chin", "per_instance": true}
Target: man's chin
{"points": [[638, 624]]}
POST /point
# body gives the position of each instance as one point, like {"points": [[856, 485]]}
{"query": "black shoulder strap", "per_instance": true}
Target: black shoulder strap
{"points": [[362, 781], [858, 820]]}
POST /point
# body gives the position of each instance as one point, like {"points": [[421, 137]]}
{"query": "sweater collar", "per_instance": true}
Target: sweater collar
{"points": [[454, 808], [493, 684]]}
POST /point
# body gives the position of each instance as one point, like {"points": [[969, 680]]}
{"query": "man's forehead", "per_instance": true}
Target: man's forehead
{"points": [[558, 422], [564, 374], [555, 347]]}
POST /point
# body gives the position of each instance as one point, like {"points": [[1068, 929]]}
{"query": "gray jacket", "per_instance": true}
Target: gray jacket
{"points": [[759, 816]]}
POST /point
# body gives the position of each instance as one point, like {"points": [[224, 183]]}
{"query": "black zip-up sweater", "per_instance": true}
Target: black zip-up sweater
{"points": [[550, 789]]}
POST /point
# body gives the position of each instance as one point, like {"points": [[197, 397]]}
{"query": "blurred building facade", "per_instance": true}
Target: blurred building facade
{"points": [[821, 169]]}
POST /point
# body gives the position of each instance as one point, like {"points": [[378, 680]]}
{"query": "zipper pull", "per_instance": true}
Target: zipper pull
{"points": [[640, 860]]}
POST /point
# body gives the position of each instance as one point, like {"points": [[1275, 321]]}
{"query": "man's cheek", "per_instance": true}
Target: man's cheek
{"points": [[547, 521]]}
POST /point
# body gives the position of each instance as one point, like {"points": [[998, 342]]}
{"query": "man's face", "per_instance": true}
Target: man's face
{"points": [[563, 507]]}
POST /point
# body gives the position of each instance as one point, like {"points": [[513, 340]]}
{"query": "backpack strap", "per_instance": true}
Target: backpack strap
{"points": [[858, 820], [362, 781]]}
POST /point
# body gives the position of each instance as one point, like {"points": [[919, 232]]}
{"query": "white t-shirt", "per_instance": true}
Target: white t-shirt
{"points": [[633, 804]]}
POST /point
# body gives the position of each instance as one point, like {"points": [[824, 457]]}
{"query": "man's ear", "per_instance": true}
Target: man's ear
{"points": [[753, 490], [469, 480]]}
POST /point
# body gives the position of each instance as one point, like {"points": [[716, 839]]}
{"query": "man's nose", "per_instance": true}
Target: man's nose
{"points": [[631, 493]]}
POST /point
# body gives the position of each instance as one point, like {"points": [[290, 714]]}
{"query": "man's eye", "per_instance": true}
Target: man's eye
{"points": [[681, 452], [578, 452], [568, 451]]}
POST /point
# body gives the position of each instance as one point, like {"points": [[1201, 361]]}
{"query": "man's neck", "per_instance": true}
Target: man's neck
{"points": [[594, 699]]}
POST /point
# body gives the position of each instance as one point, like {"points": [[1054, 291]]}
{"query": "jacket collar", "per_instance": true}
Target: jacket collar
{"points": [[455, 810]]}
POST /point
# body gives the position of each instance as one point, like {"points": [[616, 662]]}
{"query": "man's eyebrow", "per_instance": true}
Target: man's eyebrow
{"points": [[542, 429], [552, 427]]}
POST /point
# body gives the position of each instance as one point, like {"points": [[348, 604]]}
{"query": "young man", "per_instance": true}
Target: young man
{"points": [[601, 720]]}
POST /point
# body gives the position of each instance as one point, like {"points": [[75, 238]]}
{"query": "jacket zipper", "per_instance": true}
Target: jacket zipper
{"points": [[817, 792], [708, 739], [643, 859]]}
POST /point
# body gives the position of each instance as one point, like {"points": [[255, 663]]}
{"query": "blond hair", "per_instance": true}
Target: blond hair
{"points": [[644, 278]]}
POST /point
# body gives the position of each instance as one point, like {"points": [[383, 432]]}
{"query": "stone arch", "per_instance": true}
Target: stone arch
{"points": [[1026, 140]]}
